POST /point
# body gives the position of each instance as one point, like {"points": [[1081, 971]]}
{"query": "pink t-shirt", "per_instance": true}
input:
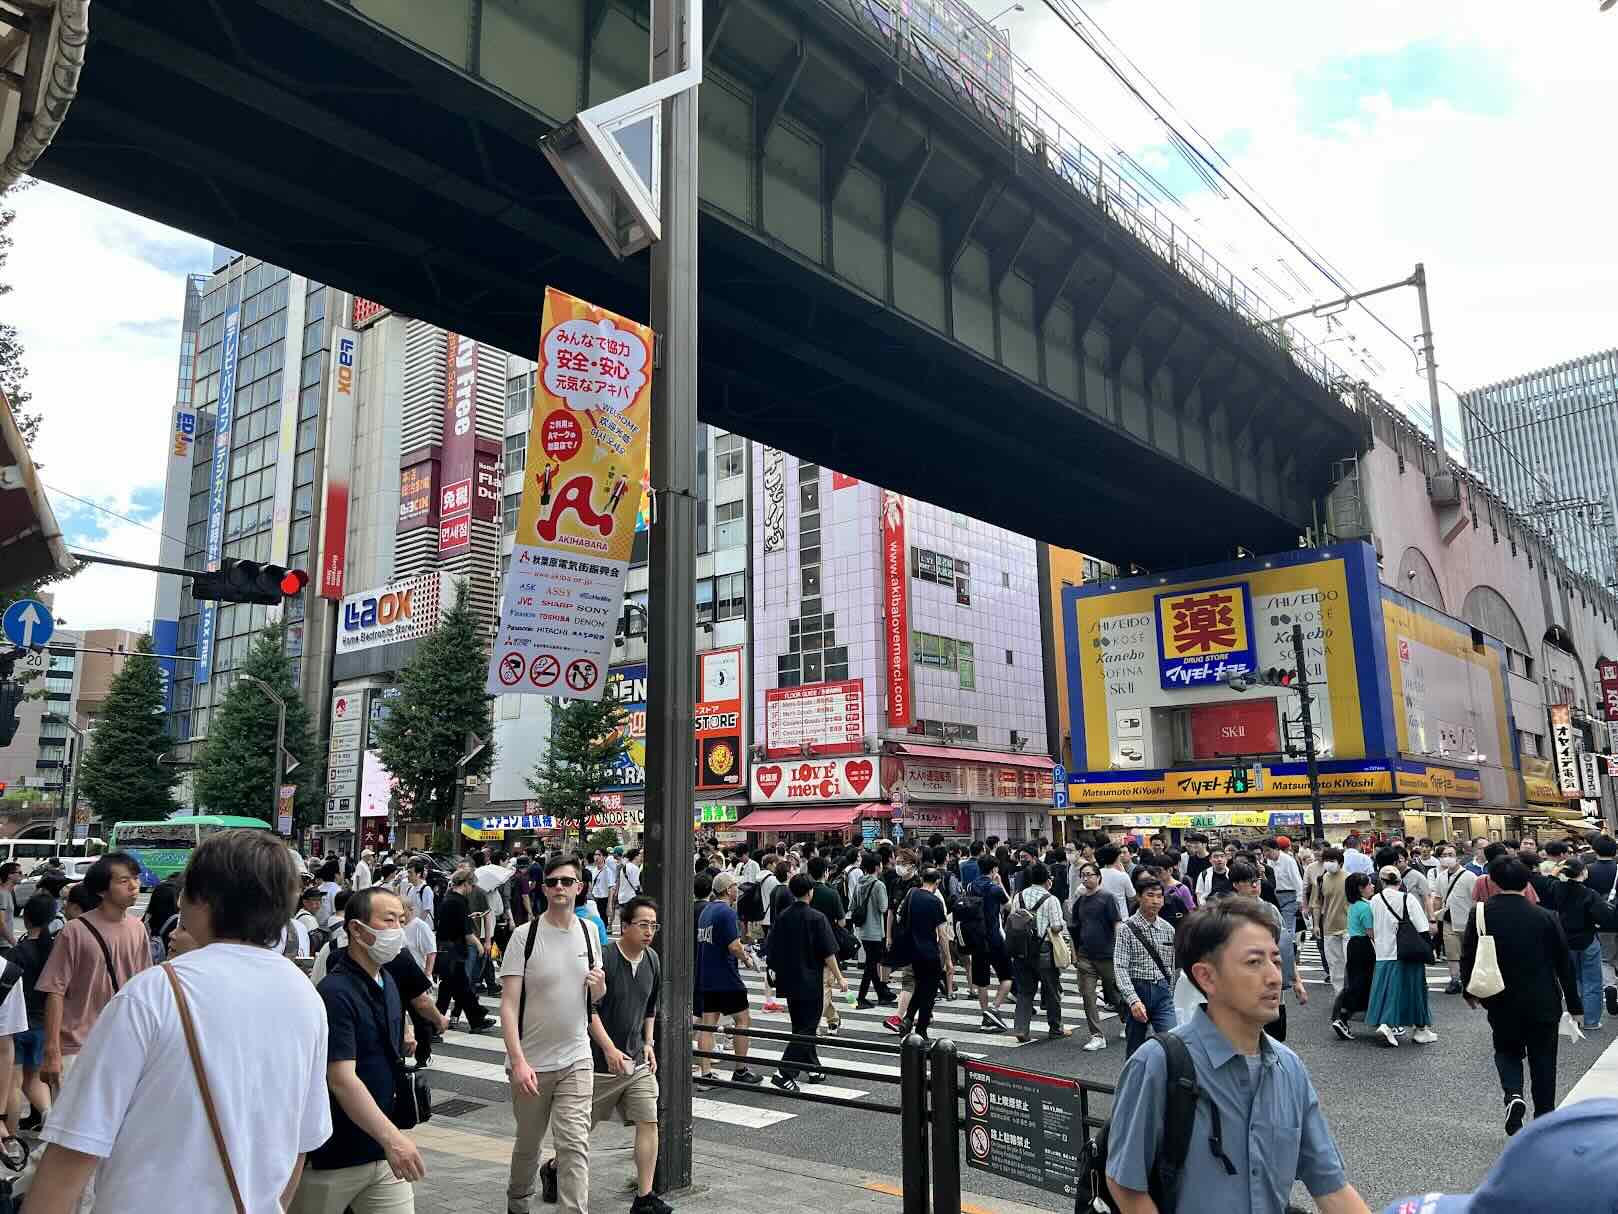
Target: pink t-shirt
{"points": [[77, 971]]}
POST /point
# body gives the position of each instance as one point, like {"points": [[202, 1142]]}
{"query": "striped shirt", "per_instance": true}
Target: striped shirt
{"points": [[1130, 958]]}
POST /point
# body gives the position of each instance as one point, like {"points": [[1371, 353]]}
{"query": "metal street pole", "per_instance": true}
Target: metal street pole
{"points": [[1420, 279], [1305, 711], [671, 640], [277, 773]]}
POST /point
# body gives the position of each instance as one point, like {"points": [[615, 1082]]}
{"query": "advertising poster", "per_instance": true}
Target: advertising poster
{"points": [[576, 521], [1204, 635], [219, 481], [827, 717], [1607, 670], [1024, 1126], [896, 608], [814, 780], [418, 495], [339, 459], [627, 685], [720, 764], [460, 445]]}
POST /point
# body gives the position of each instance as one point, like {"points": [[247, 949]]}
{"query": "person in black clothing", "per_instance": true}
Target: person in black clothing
{"points": [[1197, 858], [1583, 912], [923, 917], [1541, 881], [1538, 973], [460, 952], [31, 953], [802, 955]]}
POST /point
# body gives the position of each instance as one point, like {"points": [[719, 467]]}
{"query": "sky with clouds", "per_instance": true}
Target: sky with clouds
{"points": [[1474, 137]]}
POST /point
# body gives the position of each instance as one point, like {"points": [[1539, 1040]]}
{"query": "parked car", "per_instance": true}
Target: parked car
{"points": [[72, 867]]}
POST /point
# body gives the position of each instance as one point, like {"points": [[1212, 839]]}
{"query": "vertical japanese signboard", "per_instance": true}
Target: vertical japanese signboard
{"points": [[1024, 1126], [1564, 753], [774, 482], [576, 521], [339, 460], [1204, 635], [1607, 670], [219, 479], [718, 720], [460, 445], [896, 608]]}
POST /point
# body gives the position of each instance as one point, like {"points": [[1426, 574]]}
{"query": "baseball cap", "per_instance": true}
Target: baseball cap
{"points": [[1284, 843], [1388, 870], [724, 882], [1575, 1145]]}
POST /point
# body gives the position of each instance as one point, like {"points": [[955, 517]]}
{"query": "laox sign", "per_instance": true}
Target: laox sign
{"points": [[380, 609]]}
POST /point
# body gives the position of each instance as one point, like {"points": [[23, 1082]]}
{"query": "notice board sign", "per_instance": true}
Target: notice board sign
{"points": [[1024, 1126]]}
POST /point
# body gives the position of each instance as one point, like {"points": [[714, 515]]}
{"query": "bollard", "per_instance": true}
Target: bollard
{"points": [[946, 1121], [913, 1122]]}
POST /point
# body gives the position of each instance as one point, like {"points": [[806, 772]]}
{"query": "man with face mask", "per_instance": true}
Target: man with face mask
{"points": [[368, 1162], [1454, 885], [1330, 897]]}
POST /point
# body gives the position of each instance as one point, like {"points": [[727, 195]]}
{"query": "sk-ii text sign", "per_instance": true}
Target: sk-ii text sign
{"points": [[1204, 635]]}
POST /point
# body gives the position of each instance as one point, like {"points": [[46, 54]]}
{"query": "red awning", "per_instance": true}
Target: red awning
{"points": [[820, 817], [962, 755]]}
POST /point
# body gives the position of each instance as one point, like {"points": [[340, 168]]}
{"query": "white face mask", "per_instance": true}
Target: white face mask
{"points": [[1332, 866], [387, 944], [1446, 861]]}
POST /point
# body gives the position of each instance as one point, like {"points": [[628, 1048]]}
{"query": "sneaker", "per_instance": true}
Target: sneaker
{"points": [[1340, 1027], [864, 1005], [784, 1083], [1588, 1029], [894, 1024], [1095, 1043], [1424, 1035], [1399, 1030], [547, 1182], [1516, 1113], [831, 1030], [994, 1014], [650, 1203], [706, 1082], [743, 1075], [1387, 1035], [1059, 1034], [33, 1123], [992, 1024], [891, 1000], [1024, 1038], [815, 1077], [773, 1005], [1612, 1000], [1454, 987]]}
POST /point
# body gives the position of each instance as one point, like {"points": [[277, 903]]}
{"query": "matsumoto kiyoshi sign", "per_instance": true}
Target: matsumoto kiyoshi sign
{"points": [[404, 611], [1204, 635]]}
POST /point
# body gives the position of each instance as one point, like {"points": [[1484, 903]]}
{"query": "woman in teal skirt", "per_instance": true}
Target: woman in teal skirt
{"points": [[1398, 988]]}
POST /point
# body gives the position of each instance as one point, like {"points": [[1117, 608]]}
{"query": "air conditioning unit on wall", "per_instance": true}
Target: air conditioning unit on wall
{"points": [[1444, 489]]}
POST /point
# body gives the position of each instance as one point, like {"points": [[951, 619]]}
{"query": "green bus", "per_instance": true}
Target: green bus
{"points": [[165, 847]]}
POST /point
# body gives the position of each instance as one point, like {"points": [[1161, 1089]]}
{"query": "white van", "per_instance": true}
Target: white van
{"points": [[29, 852]]}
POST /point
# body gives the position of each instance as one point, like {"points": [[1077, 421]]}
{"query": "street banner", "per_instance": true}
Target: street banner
{"points": [[1568, 777], [284, 797], [896, 607], [219, 480], [576, 522], [340, 417], [460, 445]]}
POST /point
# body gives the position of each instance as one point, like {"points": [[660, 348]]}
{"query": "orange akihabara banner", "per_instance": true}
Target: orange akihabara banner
{"points": [[587, 450]]}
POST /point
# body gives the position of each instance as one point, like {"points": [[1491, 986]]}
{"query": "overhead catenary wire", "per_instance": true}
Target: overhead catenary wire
{"points": [[115, 514]]}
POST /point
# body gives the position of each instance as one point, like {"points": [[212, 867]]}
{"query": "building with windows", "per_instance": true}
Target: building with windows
{"points": [[38, 753], [1547, 442]]}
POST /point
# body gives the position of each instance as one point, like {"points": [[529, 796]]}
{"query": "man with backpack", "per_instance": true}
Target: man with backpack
{"points": [[982, 907], [868, 912], [1031, 932], [1143, 960], [1183, 1136]]}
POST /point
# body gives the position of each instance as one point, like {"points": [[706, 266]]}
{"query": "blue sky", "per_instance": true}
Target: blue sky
{"points": [[1430, 72]]}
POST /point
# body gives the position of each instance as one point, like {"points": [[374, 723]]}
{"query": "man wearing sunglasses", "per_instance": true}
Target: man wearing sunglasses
{"points": [[550, 978]]}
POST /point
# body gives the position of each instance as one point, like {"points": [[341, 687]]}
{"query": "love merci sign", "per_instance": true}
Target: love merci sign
{"points": [[814, 780]]}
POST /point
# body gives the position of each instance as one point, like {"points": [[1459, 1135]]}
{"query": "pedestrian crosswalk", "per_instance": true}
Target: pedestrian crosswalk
{"points": [[1311, 966], [478, 1060]]}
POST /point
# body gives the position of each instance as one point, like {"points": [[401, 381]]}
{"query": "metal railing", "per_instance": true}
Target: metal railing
{"points": [[1018, 116]]}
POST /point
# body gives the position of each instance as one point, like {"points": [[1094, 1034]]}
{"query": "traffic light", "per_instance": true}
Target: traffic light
{"points": [[1276, 676], [1240, 779], [248, 582], [10, 698]]}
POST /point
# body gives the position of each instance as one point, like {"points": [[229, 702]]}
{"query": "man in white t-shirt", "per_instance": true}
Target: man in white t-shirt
{"points": [[362, 871], [549, 977], [261, 1035], [628, 878]]}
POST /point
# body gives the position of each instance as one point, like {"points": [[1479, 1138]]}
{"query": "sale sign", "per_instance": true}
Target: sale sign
{"points": [[896, 608], [576, 521]]}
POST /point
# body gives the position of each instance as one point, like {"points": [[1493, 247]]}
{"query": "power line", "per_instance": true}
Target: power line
{"points": [[105, 510]]}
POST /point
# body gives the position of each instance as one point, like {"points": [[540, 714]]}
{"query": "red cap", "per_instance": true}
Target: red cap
{"points": [[1284, 843]]}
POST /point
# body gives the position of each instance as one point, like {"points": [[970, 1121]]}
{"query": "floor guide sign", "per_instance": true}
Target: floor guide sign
{"points": [[576, 521]]}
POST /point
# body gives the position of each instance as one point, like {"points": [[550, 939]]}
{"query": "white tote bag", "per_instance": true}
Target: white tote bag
{"points": [[1486, 978]]}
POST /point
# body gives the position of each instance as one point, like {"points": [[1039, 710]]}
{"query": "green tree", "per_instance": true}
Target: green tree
{"points": [[237, 763], [442, 698], [120, 776], [588, 740]]}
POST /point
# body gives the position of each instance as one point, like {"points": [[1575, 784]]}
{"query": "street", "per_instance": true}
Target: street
{"points": [[1414, 1119]]}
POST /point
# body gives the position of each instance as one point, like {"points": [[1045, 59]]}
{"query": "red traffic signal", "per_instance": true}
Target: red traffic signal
{"points": [[1277, 676], [293, 582]]}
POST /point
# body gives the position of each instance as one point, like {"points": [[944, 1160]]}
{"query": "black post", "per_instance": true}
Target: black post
{"points": [[946, 1144], [913, 1122], [1305, 711]]}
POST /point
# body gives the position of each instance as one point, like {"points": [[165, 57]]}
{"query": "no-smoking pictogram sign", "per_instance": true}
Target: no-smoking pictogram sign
{"points": [[543, 671], [510, 669], [582, 674], [978, 1097], [977, 1141]]}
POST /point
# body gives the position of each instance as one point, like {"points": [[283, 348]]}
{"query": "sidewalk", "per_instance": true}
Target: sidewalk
{"points": [[466, 1174]]}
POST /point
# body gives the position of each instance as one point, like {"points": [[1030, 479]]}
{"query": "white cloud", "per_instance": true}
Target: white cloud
{"points": [[97, 298]]}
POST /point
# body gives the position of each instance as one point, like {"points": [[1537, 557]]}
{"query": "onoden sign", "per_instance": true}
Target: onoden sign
{"points": [[581, 488]]}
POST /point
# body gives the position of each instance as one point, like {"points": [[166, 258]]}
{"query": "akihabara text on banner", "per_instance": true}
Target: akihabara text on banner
{"points": [[581, 486]]}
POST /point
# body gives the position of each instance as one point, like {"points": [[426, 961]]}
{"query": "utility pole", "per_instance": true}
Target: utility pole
{"points": [[279, 770], [1426, 337], [474, 747], [1306, 714], [68, 800], [671, 640]]}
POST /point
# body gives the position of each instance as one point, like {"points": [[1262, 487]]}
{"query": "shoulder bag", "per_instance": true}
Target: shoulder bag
{"points": [[106, 953], [1146, 942], [1411, 945], [1487, 980], [195, 1051]]}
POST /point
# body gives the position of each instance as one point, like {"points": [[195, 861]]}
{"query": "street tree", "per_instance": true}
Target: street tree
{"points": [[119, 775], [589, 741], [442, 698], [237, 765]]}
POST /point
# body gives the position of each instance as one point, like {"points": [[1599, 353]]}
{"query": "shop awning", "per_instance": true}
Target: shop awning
{"points": [[961, 754], [819, 817]]}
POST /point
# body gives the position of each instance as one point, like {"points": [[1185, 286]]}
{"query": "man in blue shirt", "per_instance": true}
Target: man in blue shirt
{"points": [[969, 866], [1258, 1125], [993, 956], [720, 954]]}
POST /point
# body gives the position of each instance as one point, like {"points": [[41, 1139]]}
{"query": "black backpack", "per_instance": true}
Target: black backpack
{"points": [[971, 929], [750, 902], [1168, 1168], [1023, 938]]}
